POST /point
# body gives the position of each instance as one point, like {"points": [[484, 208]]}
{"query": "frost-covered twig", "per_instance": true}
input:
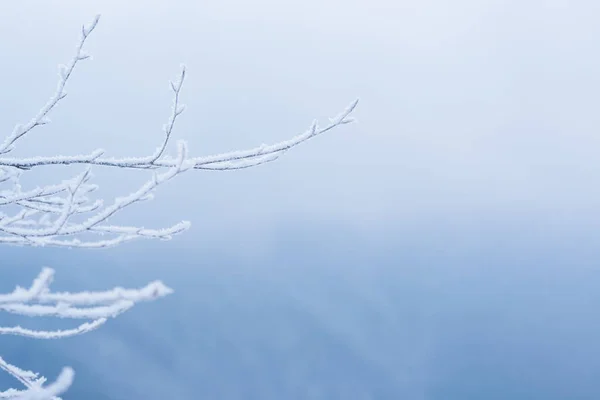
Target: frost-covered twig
{"points": [[34, 384], [224, 161], [65, 72], [39, 301], [44, 215], [63, 214]]}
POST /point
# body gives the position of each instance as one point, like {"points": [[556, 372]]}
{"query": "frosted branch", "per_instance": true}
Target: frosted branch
{"points": [[65, 72], [34, 384], [51, 215], [39, 301], [65, 214]]}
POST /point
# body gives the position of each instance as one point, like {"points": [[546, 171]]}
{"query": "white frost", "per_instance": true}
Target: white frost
{"points": [[60, 214]]}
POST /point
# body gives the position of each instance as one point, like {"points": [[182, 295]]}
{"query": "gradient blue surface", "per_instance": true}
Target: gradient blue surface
{"points": [[446, 247], [489, 312]]}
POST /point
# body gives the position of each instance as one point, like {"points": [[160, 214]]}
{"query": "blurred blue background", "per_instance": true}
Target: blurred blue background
{"points": [[501, 311], [445, 247]]}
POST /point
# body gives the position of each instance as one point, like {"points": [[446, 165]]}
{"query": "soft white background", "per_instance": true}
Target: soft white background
{"points": [[449, 239], [467, 106]]}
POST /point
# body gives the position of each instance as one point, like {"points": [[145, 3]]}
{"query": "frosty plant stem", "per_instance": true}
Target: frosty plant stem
{"points": [[60, 214]]}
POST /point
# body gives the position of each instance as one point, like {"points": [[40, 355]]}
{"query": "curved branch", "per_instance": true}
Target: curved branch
{"points": [[39, 301], [44, 216], [225, 161], [65, 73]]}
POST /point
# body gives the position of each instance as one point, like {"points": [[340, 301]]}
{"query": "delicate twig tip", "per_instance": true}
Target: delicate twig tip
{"points": [[63, 71], [86, 30], [83, 56], [313, 127]]}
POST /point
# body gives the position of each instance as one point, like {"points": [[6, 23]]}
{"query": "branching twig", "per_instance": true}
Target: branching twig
{"points": [[39, 301], [45, 216]]}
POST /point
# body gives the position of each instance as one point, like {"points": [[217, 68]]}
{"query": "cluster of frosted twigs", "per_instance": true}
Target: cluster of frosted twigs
{"points": [[62, 214]]}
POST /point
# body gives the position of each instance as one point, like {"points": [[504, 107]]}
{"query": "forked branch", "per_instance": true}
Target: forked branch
{"points": [[39, 301], [63, 214], [44, 215]]}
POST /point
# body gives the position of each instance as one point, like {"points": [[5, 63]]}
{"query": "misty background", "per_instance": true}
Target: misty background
{"points": [[444, 247]]}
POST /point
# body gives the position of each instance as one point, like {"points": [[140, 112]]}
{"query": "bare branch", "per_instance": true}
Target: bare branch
{"points": [[33, 382], [223, 161], [39, 301], [64, 74], [63, 215]]}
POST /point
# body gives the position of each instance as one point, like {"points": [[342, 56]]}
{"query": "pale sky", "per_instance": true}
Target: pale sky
{"points": [[474, 116], [467, 107]]}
